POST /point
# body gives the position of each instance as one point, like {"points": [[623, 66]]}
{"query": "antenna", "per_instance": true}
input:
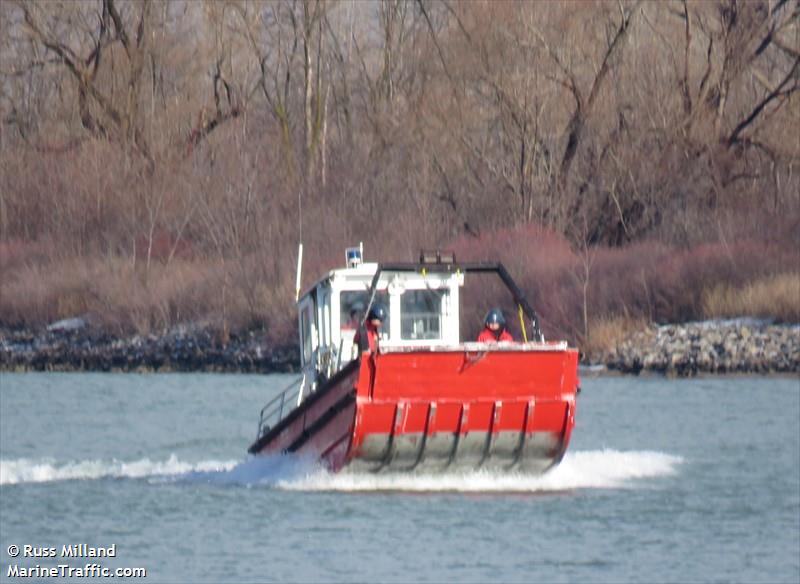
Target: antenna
{"points": [[299, 271], [300, 245]]}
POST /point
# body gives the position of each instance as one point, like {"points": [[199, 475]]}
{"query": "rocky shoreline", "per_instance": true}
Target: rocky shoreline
{"points": [[711, 347], [716, 347], [179, 350]]}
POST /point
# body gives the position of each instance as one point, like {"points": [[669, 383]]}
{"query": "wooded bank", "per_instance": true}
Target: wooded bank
{"points": [[630, 161]]}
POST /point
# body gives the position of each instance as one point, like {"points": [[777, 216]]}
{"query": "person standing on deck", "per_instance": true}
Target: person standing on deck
{"points": [[494, 329], [369, 341]]}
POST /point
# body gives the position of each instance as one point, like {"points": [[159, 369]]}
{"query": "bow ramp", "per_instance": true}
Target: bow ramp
{"points": [[477, 407]]}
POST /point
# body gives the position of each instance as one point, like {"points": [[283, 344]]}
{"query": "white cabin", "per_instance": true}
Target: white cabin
{"points": [[423, 311]]}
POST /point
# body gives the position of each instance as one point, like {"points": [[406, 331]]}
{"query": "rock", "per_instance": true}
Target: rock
{"points": [[68, 324], [711, 347], [82, 349]]}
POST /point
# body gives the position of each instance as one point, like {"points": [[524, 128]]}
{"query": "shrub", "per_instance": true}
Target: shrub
{"points": [[775, 296], [606, 332]]}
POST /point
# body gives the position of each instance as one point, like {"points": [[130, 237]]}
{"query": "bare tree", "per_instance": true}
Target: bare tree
{"points": [[82, 51]]}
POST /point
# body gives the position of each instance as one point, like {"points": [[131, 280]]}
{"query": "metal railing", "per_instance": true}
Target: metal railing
{"points": [[280, 406]]}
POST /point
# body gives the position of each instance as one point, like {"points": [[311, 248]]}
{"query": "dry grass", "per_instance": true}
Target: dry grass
{"points": [[122, 298], [607, 332], [776, 296], [627, 287]]}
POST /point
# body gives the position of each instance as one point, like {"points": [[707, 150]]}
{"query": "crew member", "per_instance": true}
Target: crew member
{"points": [[356, 310], [494, 329], [375, 318]]}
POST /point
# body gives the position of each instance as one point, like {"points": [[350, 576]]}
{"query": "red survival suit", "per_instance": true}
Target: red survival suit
{"points": [[488, 336], [372, 338]]}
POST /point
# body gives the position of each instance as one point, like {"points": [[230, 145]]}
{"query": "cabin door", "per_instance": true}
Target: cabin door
{"points": [[308, 339]]}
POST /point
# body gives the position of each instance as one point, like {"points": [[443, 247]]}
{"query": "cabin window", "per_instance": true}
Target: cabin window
{"points": [[353, 304], [421, 315]]}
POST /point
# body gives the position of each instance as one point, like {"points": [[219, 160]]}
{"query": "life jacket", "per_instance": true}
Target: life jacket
{"points": [[487, 335], [369, 340]]}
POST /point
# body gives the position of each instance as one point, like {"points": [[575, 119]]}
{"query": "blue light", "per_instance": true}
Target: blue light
{"points": [[353, 255]]}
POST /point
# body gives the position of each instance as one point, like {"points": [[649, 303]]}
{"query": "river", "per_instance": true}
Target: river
{"points": [[666, 480]]}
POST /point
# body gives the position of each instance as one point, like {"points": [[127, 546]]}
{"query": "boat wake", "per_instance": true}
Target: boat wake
{"points": [[25, 470], [594, 469]]}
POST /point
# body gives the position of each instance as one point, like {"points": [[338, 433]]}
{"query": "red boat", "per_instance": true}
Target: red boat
{"points": [[425, 400]]}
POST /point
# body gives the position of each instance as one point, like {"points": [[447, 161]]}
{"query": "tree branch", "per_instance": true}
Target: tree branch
{"points": [[576, 123], [775, 93]]}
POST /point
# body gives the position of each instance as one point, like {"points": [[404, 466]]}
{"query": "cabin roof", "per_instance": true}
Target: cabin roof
{"points": [[367, 270]]}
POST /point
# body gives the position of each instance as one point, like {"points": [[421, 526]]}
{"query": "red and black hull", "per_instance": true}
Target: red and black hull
{"points": [[437, 410]]}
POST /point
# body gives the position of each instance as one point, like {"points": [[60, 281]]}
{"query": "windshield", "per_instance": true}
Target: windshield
{"points": [[421, 314], [354, 303]]}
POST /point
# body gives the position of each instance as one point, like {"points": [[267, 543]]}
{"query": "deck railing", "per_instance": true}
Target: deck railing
{"points": [[280, 406]]}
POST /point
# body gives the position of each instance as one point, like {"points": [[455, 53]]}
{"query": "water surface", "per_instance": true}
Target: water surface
{"points": [[680, 481]]}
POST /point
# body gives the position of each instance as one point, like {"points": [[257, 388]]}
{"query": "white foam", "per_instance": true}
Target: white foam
{"points": [[579, 470], [25, 470]]}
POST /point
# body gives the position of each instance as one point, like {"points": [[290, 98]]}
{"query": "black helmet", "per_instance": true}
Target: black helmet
{"points": [[377, 312], [495, 315]]}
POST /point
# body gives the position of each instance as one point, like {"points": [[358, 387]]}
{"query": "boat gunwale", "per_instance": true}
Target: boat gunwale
{"points": [[315, 396], [481, 347]]}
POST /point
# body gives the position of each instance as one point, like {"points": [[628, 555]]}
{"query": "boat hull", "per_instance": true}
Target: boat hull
{"points": [[438, 410]]}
